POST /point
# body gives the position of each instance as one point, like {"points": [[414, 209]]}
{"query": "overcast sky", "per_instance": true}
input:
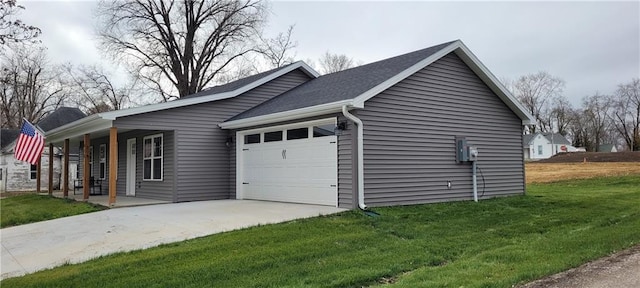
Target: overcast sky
{"points": [[593, 46]]}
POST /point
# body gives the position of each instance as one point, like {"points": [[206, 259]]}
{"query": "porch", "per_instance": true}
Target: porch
{"points": [[103, 200], [131, 160]]}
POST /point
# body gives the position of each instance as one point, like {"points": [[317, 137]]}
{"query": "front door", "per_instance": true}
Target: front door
{"points": [[131, 167]]}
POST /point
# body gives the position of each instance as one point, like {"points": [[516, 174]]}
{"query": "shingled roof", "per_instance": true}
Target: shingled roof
{"points": [[7, 136], [342, 85], [59, 117], [234, 85], [557, 138], [55, 119]]}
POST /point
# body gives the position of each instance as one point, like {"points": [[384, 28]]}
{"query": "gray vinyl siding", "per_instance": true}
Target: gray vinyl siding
{"points": [[202, 158], [160, 190], [346, 185], [347, 179], [410, 131]]}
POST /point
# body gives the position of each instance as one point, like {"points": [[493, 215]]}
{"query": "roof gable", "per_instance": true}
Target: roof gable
{"points": [[353, 87], [240, 86], [230, 90], [234, 85], [339, 86], [528, 138]]}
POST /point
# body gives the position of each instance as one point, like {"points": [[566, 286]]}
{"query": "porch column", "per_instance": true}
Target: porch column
{"points": [[113, 164], [65, 171], [85, 169], [38, 176], [50, 169]]}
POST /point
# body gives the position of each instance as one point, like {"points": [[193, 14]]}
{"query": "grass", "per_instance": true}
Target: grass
{"points": [[29, 208], [493, 243], [552, 172]]}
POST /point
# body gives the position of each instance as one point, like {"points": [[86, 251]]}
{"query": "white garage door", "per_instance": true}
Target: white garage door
{"points": [[297, 164]]}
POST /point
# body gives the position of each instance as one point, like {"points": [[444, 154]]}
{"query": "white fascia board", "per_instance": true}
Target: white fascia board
{"points": [[312, 111], [360, 99], [112, 115], [87, 127], [496, 86], [101, 120], [78, 122]]}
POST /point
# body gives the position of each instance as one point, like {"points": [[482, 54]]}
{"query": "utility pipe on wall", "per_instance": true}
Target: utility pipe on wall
{"points": [[475, 183], [360, 156]]}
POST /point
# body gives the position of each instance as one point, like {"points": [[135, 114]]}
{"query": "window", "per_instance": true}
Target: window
{"points": [[324, 130], [0, 174], [539, 149], [273, 136], [152, 157], [33, 172], [299, 133], [102, 156], [253, 138]]}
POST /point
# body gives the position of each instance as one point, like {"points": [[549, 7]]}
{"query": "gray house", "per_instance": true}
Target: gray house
{"points": [[381, 134]]}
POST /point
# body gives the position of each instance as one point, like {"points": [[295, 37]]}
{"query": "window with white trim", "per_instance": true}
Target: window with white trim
{"points": [[152, 157], [102, 157], [539, 149]]}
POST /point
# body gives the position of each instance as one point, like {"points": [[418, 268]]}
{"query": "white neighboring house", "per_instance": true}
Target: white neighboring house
{"points": [[542, 146], [18, 175]]}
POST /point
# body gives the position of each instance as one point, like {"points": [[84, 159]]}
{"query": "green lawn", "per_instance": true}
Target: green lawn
{"points": [[31, 208], [494, 243]]}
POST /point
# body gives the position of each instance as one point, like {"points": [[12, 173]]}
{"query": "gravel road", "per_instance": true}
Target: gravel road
{"points": [[620, 270]]}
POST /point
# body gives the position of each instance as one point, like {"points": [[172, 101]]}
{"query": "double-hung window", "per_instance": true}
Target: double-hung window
{"points": [[152, 157], [539, 149], [102, 156]]}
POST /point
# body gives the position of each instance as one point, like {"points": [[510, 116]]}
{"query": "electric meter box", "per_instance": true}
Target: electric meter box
{"points": [[464, 152]]}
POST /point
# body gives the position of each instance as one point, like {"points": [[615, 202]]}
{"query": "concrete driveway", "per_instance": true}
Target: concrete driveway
{"points": [[38, 246]]}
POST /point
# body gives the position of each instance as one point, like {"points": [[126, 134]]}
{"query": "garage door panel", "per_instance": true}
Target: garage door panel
{"points": [[301, 171]]}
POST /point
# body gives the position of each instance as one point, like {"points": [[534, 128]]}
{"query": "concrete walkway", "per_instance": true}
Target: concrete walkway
{"points": [[38, 246]]}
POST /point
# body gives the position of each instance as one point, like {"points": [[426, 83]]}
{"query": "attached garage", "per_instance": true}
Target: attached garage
{"points": [[290, 163]]}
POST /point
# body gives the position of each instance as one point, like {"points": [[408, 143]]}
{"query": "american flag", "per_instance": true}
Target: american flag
{"points": [[30, 144]]}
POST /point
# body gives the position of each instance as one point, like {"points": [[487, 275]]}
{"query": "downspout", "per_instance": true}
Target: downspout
{"points": [[360, 156]]}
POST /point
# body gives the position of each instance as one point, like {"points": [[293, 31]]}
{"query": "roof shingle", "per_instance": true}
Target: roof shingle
{"points": [[231, 86], [343, 85], [59, 117]]}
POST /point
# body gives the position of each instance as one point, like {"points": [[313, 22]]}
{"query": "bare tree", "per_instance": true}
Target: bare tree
{"points": [[12, 29], [29, 86], [625, 115], [330, 63], [596, 122], [278, 51], [537, 92], [180, 46], [561, 115], [94, 91]]}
